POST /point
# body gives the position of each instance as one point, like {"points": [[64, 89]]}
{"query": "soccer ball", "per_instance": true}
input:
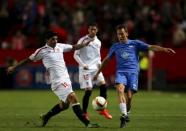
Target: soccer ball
{"points": [[99, 103]]}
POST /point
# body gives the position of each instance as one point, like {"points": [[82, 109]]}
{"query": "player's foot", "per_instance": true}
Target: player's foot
{"points": [[44, 120], [93, 125], [86, 116], [105, 113], [127, 119], [123, 121]]}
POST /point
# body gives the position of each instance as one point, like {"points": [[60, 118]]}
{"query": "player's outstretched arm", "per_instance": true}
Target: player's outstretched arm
{"points": [[23, 62], [103, 64], [81, 45], [161, 49]]}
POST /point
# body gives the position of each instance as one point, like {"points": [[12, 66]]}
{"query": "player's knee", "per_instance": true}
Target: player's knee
{"points": [[72, 98], [120, 90], [129, 98]]}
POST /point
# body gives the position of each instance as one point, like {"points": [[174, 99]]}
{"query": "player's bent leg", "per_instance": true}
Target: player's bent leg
{"points": [[54, 111], [85, 100], [78, 111], [129, 100], [129, 95], [103, 89], [132, 89], [103, 93]]}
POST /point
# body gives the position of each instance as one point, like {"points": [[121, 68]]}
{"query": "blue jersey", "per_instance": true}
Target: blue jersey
{"points": [[127, 55]]}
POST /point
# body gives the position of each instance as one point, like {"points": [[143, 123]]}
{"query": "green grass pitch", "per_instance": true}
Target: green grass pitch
{"points": [[151, 111]]}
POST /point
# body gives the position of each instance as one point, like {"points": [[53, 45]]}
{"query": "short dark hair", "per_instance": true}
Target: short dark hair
{"points": [[50, 34], [120, 26], [93, 24]]}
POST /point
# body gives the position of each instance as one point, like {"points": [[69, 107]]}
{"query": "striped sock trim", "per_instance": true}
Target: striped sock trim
{"points": [[75, 104]]}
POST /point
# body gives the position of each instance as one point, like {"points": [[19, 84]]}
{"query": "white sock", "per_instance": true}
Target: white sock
{"points": [[123, 108]]}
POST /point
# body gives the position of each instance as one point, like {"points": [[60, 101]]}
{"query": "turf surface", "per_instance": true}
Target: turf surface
{"points": [[151, 111]]}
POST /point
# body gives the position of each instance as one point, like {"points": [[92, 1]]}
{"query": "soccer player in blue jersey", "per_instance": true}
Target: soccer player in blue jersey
{"points": [[126, 52]]}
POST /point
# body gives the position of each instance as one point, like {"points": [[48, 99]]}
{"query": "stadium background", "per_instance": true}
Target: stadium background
{"points": [[23, 23]]}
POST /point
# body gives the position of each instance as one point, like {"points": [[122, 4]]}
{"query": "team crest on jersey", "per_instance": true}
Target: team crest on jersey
{"points": [[124, 55]]}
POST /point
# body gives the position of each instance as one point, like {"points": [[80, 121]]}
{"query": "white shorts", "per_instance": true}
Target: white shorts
{"points": [[86, 79], [63, 90]]}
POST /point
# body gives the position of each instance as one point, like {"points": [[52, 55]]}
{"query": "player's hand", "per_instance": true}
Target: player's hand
{"points": [[85, 67], [10, 69], [95, 77], [169, 50]]}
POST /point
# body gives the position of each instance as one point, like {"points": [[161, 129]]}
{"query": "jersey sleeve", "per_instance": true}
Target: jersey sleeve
{"points": [[77, 58], [37, 55], [77, 54], [111, 51], [142, 46]]}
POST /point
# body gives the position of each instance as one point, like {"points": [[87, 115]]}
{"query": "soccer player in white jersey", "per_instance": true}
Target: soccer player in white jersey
{"points": [[89, 60], [52, 58]]}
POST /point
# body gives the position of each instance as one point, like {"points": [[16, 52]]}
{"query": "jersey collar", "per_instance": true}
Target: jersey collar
{"points": [[127, 42], [95, 37]]}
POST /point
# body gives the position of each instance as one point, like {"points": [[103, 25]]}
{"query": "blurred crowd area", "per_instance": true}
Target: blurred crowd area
{"points": [[23, 22]]}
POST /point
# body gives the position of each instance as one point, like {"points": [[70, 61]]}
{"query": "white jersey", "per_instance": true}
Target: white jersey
{"points": [[89, 55], [53, 61]]}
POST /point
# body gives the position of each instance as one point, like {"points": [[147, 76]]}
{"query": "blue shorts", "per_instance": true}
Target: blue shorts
{"points": [[130, 80]]}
